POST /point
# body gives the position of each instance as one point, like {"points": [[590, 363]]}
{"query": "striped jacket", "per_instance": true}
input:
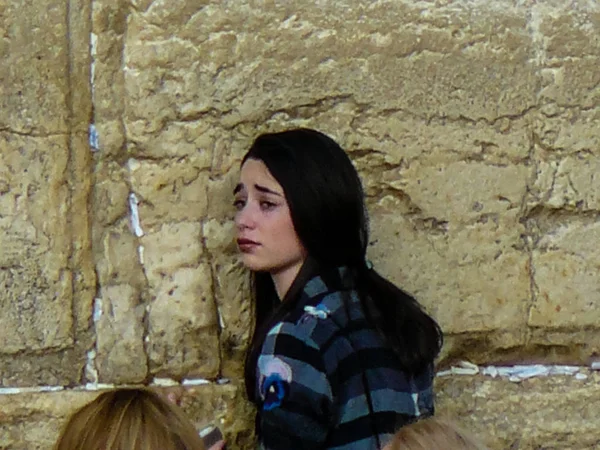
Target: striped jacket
{"points": [[326, 378]]}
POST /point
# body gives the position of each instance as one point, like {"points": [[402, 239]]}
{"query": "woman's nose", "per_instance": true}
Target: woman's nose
{"points": [[244, 219]]}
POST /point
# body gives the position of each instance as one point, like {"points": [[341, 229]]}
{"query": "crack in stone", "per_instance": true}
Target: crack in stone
{"points": [[33, 133]]}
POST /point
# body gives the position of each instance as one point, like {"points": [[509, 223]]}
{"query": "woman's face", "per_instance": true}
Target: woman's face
{"points": [[265, 233]]}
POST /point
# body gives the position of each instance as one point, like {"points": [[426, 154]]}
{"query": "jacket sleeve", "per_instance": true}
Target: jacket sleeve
{"points": [[296, 398]]}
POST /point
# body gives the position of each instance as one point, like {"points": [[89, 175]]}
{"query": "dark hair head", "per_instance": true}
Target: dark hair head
{"points": [[326, 202], [323, 192]]}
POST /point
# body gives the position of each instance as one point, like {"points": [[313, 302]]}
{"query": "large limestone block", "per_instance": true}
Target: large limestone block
{"points": [[568, 47], [236, 313], [47, 276], [232, 293], [571, 183], [118, 257], [463, 191], [568, 130], [110, 196], [32, 421], [109, 19], [403, 137], [170, 191], [60, 367], [183, 336], [173, 246], [566, 264], [470, 284], [47, 280], [34, 76], [36, 280], [33, 177], [557, 412], [186, 63], [183, 326], [119, 318], [177, 140], [458, 249], [225, 406], [573, 83], [570, 32]]}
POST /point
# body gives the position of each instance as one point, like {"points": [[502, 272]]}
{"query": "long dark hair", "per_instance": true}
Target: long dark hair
{"points": [[326, 201]]}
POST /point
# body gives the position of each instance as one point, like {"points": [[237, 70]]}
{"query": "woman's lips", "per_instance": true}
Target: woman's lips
{"points": [[246, 245]]}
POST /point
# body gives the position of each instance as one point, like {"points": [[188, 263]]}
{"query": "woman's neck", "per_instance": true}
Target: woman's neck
{"points": [[284, 278]]}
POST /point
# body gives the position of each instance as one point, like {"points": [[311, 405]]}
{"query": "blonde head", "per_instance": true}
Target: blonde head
{"points": [[432, 434], [129, 419]]}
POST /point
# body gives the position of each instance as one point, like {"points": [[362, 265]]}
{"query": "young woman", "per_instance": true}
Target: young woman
{"points": [[340, 357]]}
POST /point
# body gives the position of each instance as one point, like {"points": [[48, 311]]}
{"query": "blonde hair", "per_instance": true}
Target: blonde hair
{"points": [[432, 434], [129, 419]]}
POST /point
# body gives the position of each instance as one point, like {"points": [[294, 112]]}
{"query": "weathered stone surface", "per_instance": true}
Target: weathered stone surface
{"points": [[235, 313], [180, 140], [557, 412], [45, 261], [568, 131], [121, 356], [43, 292], [52, 367], [182, 331], [225, 406], [567, 264], [33, 421], [182, 316], [459, 249], [172, 191], [117, 257], [471, 279], [321, 50], [109, 20], [568, 49], [567, 30], [463, 192], [571, 183], [173, 246], [405, 137], [34, 77], [233, 292], [35, 250], [110, 196]]}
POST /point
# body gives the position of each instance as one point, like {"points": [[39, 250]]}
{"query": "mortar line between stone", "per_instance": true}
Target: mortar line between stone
{"points": [[568, 371]]}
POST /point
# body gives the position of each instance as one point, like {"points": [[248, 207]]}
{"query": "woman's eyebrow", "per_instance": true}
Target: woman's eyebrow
{"points": [[238, 188], [260, 188]]}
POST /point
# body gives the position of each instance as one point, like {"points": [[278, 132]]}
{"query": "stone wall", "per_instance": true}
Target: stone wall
{"points": [[475, 126]]}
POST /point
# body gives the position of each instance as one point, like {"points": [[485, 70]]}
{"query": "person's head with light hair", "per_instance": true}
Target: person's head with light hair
{"points": [[433, 434], [129, 419]]}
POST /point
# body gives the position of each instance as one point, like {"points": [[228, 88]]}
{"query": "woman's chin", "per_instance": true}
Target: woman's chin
{"points": [[251, 262]]}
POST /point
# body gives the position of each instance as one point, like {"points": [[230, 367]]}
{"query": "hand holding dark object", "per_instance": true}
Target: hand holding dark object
{"points": [[213, 438]]}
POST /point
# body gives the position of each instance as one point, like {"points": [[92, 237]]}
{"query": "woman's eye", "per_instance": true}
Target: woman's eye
{"points": [[265, 206], [238, 204]]}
